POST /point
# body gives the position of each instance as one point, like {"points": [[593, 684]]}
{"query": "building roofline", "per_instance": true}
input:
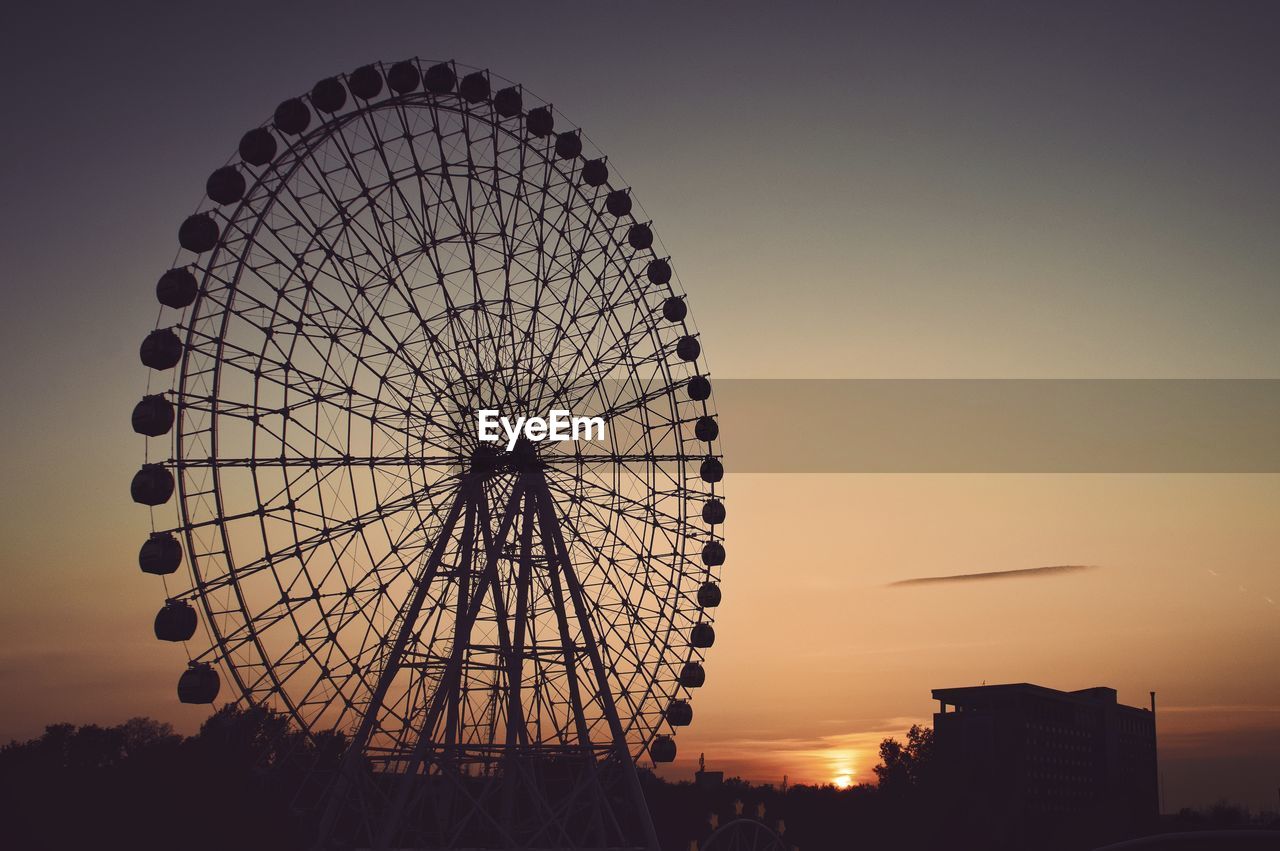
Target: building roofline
{"points": [[969, 695]]}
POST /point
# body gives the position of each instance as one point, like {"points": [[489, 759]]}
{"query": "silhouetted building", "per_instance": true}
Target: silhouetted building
{"points": [[707, 779], [1022, 760]]}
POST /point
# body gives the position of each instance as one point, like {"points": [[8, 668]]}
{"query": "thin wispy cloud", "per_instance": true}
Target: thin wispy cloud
{"points": [[1021, 573]]}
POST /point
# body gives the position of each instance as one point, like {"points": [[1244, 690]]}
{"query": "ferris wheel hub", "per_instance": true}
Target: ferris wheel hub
{"points": [[490, 459]]}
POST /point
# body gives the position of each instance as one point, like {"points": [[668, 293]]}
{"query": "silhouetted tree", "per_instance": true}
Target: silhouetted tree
{"points": [[141, 786], [907, 767]]}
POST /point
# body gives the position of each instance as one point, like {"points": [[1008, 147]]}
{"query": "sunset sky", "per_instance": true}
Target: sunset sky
{"points": [[869, 190]]}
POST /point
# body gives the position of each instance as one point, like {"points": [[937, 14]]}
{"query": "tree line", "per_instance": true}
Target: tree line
{"points": [[242, 782]]}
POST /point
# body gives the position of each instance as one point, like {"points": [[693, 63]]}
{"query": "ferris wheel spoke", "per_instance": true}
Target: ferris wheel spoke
{"points": [[636, 408], [289, 445], [501, 216], [355, 286], [291, 489], [591, 369], [463, 220], [343, 462], [507, 235], [596, 400], [458, 220], [444, 354], [286, 365], [620, 602], [370, 119], [332, 335], [585, 622], [565, 483], [252, 412], [572, 271], [331, 621], [406, 620], [601, 548], [625, 608], [443, 157], [336, 335], [325, 390], [570, 337], [592, 458], [596, 370], [346, 527], [535, 228]]}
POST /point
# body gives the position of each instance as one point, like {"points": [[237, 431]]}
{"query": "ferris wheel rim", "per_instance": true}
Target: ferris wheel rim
{"points": [[618, 460]]}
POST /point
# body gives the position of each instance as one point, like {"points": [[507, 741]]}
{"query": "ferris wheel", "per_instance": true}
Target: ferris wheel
{"points": [[501, 629]]}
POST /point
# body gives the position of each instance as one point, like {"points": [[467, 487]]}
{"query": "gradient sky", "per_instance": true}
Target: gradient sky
{"points": [[853, 190]]}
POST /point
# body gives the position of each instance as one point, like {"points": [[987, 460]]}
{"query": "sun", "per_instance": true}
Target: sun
{"points": [[843, 781]]}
